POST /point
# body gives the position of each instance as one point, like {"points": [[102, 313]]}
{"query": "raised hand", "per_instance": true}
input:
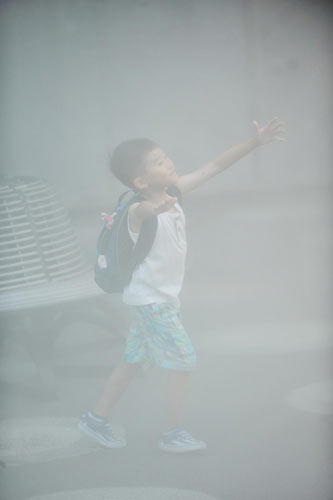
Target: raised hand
{"points": [[273, 131], [148, 209], [165, 205]]}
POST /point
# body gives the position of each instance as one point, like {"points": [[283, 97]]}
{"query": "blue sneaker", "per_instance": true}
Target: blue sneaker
{"points": [[180, 441], [100, 430]]}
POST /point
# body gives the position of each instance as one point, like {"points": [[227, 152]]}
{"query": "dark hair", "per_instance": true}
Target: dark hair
{"points": [[128, 159]]}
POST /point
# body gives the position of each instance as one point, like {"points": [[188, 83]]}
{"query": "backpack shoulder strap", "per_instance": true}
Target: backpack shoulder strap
{"points": [[122, 197], [145, 240], [129, 255]]}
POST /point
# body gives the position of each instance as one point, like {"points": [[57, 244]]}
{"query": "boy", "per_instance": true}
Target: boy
{"points": [[157, 335]]}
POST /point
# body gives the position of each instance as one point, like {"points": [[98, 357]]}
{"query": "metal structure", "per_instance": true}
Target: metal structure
{"points": [[45, 283], [38, 246]]}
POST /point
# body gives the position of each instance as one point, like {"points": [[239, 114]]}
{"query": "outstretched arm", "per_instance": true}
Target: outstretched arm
{"points": [[273, 131]]}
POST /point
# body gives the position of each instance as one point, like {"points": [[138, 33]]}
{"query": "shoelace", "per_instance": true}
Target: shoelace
{"points": [[186, 436], [107, 426]]}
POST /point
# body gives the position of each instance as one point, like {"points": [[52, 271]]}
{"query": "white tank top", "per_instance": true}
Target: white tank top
{"points": [[160, 276]]}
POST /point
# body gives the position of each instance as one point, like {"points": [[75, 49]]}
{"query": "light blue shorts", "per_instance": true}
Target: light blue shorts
{"points": [[157, 337]]}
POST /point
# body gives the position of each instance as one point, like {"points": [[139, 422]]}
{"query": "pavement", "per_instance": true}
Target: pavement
{"points": [[261, 396]]}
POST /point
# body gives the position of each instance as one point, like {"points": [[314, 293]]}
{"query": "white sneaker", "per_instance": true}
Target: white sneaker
{"points": [[180, 441], [100, 431]]}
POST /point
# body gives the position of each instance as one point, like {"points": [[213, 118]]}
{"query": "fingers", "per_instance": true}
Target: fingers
{"points": [[279, 126], [273, 122], [273, 131], [166, 204], [256, 124], [276, 129]]}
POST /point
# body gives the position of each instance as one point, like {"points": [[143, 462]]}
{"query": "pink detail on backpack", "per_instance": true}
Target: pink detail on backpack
{"points": [[108, 219]]}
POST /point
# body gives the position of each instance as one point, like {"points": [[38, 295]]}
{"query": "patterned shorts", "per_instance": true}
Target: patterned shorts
{"points": [[157, 337]]}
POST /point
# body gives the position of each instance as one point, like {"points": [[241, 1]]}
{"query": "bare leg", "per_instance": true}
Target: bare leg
{"points": [[116, 385], [177, 387]]}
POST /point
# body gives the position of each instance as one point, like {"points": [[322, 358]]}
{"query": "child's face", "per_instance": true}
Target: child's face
{"points": [[159, 169]]}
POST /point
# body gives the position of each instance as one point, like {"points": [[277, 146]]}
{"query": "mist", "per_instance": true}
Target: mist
{"points": [[79, 77]]}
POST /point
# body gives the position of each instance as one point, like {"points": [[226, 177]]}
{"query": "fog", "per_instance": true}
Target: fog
{"points": [[77, 78]]}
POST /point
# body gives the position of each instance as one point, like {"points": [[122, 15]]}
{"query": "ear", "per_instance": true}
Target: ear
{"points": [[139, 183]]}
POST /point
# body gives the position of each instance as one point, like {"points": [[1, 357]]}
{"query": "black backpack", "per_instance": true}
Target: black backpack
{"points": [[117, 256]]}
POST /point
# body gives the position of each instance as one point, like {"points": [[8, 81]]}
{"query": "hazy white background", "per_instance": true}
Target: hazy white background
{"points": [[78, 77]]}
